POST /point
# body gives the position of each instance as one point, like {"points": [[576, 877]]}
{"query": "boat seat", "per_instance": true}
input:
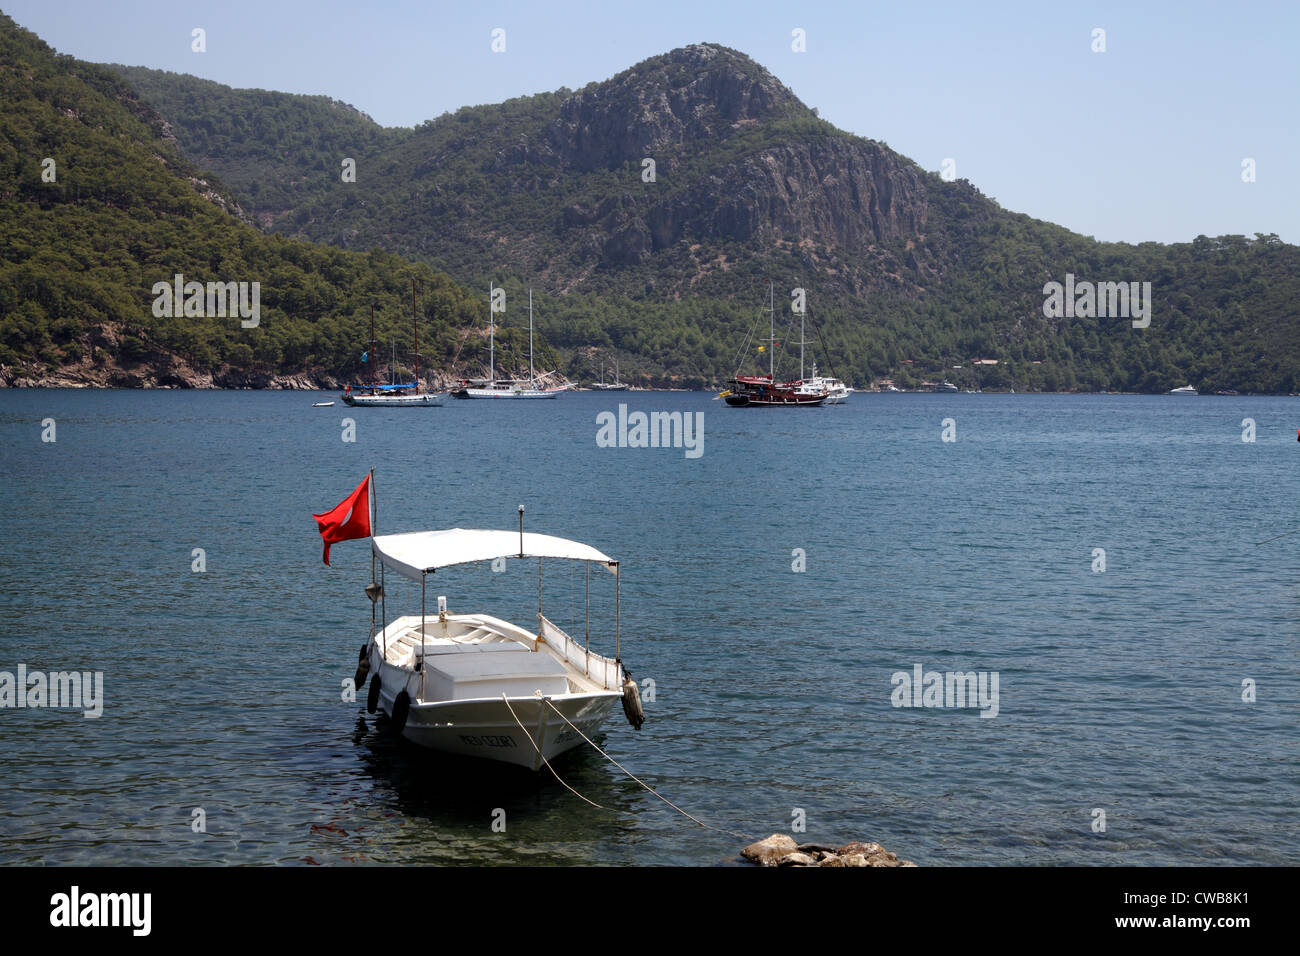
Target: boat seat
{"points": [[462, 671]]}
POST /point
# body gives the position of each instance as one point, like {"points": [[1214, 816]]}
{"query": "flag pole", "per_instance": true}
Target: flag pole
{"points": [[383, 598]]}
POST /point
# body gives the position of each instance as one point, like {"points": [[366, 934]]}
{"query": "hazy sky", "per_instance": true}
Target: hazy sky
{"points": [[1144, 141]]}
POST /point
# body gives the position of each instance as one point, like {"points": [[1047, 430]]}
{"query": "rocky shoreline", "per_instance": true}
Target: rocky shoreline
{"points": [[175, 373], [782, 850]]}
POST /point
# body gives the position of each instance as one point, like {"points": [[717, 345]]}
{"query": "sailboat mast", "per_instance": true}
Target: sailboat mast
{"points": [[492, 341], [771, 337], [415, 318], [373, 343], [532, 380], [802, 319]]}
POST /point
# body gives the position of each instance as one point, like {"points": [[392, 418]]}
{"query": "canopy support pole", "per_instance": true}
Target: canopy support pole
{"points": [[618, 623], [538, 643], [424, 578], [587, 570]]}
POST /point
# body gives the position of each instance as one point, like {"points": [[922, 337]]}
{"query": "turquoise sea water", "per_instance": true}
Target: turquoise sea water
{"points": [[1119, 690]]}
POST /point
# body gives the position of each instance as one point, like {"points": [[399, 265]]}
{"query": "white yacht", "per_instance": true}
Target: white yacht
{"points": [[493, 387], [1185, 390], [604, 386]]}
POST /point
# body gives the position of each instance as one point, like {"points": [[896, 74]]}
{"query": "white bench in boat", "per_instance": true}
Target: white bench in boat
{"points": [[464, 671]]}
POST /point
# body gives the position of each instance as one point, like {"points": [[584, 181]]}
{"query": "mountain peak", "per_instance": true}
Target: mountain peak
{"points": [[695, 93]]}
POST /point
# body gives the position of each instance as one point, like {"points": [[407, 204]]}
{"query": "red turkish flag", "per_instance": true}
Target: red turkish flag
{"points": [[349, 519]]}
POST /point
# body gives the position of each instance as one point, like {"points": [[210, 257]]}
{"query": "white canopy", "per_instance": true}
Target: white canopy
{"points": [[416, 553]]}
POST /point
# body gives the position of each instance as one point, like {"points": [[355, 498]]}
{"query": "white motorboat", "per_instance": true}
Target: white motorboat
{"points": [[1185, 390], [322, 404], [837, 392], [492, 387], [473, 684]]}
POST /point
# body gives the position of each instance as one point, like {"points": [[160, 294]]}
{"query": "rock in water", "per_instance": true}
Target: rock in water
{"points": [[781, 850], [873, 854], [815, 848], [771, 851]]}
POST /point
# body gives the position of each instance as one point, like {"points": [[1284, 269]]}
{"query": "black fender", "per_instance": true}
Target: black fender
{"points": [[401, 710], [363, 667]]}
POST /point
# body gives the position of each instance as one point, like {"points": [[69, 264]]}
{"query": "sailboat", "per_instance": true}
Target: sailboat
{"points": [[604, 386], [393, 395], [493, 387], [764, 391]]}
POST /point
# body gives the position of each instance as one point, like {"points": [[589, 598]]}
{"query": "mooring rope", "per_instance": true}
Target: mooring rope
{"points": [[543, 756], [1276, 536], [647, 787]]}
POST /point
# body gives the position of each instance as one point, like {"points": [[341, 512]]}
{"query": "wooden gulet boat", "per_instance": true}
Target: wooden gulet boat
{"points": [[473, 684], [764, 391], [396, 395]]}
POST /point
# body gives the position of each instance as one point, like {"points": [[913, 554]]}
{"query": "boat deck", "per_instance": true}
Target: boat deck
{"points": [[472, 656]]}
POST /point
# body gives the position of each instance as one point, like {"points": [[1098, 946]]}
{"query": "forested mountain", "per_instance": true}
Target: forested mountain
{"points": [[99, 205], [906, 275]]}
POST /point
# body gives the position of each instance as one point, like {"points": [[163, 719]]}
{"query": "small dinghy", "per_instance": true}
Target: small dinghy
{"points": [[322, 404]]}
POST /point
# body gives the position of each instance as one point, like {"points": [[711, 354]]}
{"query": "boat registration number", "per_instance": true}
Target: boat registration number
{"points": [[488, 740]]}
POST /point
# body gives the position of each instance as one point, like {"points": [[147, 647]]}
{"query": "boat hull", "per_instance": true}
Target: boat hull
{"points": [[505, 393], [747, 392], [425, 400], [772, 398], [486, 728]]}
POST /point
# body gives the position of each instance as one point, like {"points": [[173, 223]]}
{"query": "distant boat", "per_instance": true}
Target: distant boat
{"points": [[1185, 390], [758, 391], [493, 387], [604, 386], [322, 404], [836, 391], [393, 395]]}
